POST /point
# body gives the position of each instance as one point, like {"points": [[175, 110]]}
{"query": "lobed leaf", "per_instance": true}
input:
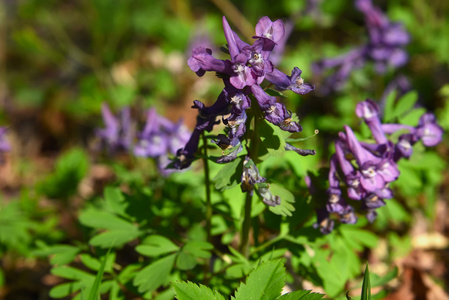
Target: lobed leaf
{"points": [[155, 274], [301, 295], [114, 238], [156, 245], [265, 282], [287, 199], [229, 175], [104, 220], [191, 291]]}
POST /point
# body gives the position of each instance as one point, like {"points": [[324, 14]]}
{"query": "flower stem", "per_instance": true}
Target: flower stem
{"points": [[208, 195], [246, 225]]}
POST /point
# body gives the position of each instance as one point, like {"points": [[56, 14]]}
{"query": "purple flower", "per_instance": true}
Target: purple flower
{"points": [[117, 135], [428, 131], [294, 82], [202, 61], [242, 75], [324, 222], [161, 138], [385, 48], [302, 152]]}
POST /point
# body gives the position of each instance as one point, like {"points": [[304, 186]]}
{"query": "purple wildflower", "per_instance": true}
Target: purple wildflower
{"points": [[118, 134], [366, 170], [160, 138], [385, 48]]}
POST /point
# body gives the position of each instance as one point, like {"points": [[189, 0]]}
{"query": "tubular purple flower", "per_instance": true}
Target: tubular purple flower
{"points": [[294, 82], [202, 61], [116, 135], [352, 177], [324, 222], [368, 163], [428, 131], [264, 100], [348, 216], [231, 155], [302, 152], [369, 111], [220, 107], [185, 156], [270, 30], [237, 126], [231, 39], [373, 201]]}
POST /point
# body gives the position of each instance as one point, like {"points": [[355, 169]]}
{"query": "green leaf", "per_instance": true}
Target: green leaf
{"points": [[265, 282], [199, 248], [95, 290], [356, 236], [115, 238], [287, 199], [185, 261], [272, 138], [380, 281], [155, 274], [115, 199], [71, 273], [229, 175], [405, 104], [389, 105], [412, 118], [366, 286], [64, 290], [94, 264], [104, 220], [301, 295], [275, 93], [156, 245], [62, 254], [190, 291], [70, 168], [90, 262]]}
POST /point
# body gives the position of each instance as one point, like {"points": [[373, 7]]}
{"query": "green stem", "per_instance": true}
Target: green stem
{"points": [[208, 195], [208, 205], [246, 226]]}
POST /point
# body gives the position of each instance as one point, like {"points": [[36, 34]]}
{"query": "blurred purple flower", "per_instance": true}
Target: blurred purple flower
{"points": [[385, 48], [160, 138], [4, 145], [118, 134]]}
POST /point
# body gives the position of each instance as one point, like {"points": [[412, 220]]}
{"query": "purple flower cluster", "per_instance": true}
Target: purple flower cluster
{"points": [[242, 75], [159, 138], [365, 169], [385, 48]]}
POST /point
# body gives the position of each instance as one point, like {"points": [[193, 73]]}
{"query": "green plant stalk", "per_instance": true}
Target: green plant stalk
{"points": [[246, 225], [208, 191], [209, 211]]}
